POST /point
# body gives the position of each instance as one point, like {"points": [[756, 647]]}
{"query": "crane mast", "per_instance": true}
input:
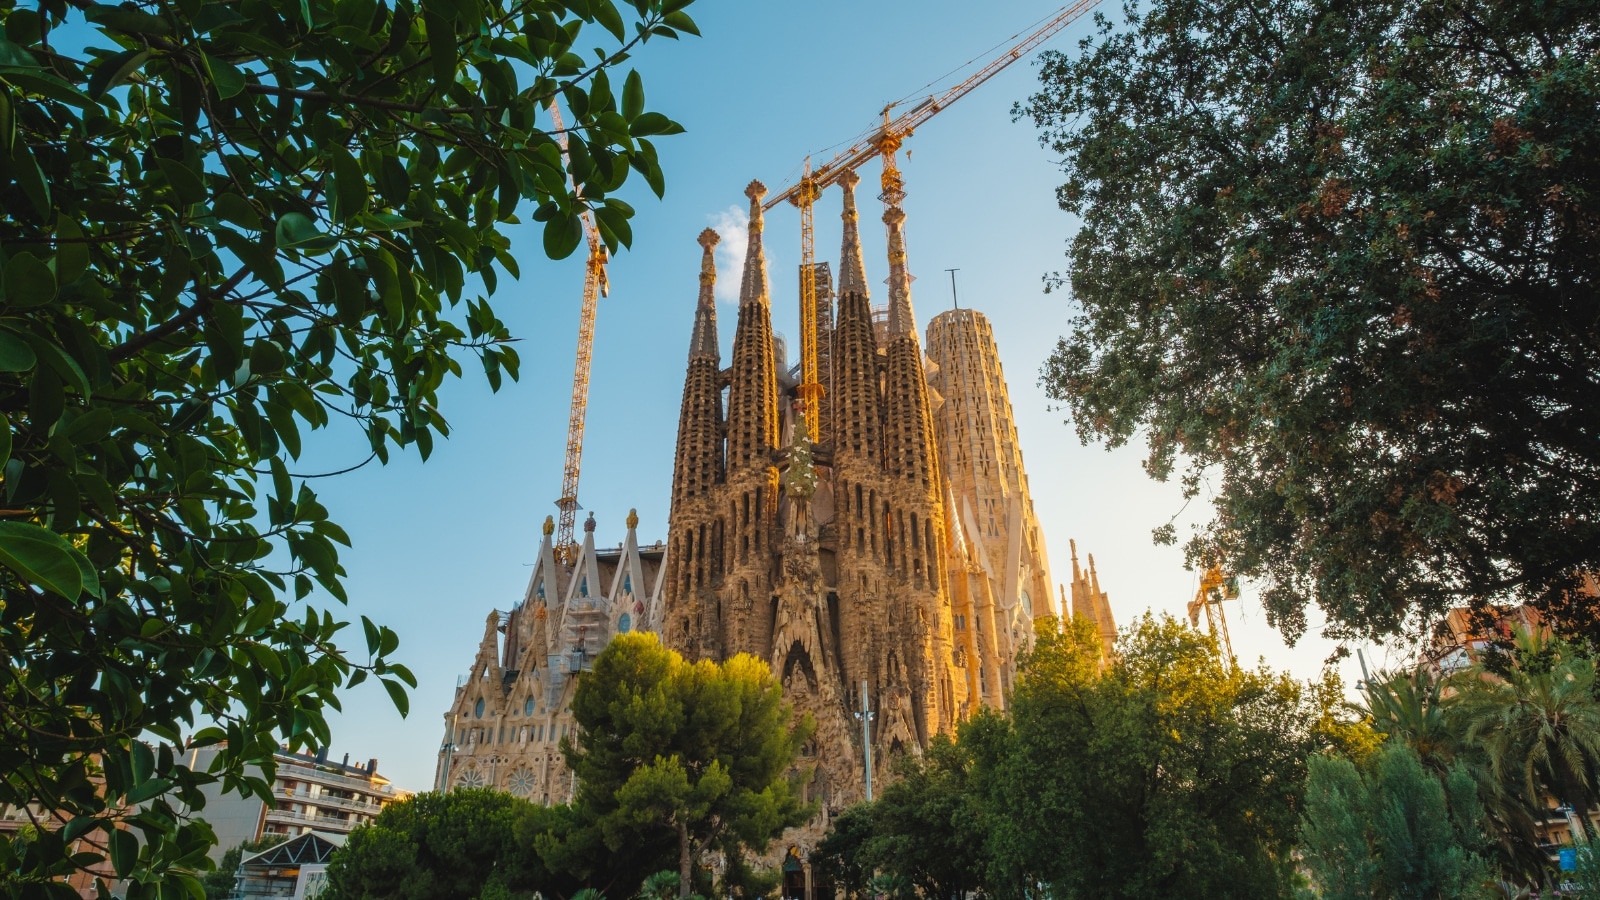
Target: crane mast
{"points": [[595, 286], [1215, 587], [884, 143]]}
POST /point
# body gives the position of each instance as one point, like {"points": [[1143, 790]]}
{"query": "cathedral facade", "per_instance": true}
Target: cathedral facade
{"points": [[839, 551], [504, 727]]}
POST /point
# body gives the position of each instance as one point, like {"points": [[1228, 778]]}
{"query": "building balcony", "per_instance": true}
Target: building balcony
{"points": [[372, 807]]}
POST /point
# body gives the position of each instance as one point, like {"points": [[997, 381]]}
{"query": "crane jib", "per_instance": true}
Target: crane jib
{"points": [[900, 128]]}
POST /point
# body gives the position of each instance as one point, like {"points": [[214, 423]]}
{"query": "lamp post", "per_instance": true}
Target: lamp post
{"points": [[865, 717]]}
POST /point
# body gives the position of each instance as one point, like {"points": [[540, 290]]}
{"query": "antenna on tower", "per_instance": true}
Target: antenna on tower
{"points": [[953, 298]]}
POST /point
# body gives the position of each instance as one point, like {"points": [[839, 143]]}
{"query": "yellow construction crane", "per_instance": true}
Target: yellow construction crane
{"points": [[1215, 587], [884, 142], [595, 286]]}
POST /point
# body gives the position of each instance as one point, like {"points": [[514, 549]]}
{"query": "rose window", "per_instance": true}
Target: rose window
{"points": [[521, 783]]}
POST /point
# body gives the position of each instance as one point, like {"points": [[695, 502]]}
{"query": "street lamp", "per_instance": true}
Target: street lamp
{"points": [[865, 717]]}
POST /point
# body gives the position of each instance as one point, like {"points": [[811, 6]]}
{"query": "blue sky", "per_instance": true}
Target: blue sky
{"points": [[438, 545]]}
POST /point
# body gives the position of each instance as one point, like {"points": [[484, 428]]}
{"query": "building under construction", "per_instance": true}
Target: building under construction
{"points": [[893, 563], [862, 522]]}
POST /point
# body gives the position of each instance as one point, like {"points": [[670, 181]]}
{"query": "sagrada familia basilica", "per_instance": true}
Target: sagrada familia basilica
{"points": [[885, 558]]}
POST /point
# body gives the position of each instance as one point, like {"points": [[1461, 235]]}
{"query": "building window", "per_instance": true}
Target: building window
{"points": [[624, 624], [527, 707], [477, 711]]}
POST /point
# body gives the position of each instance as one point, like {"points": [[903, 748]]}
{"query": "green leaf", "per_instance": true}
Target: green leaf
{"points": [[59, 360], [651, 123], [441, 49], [296, 231], [187, 185], [5, 440], [632, 96], [12, 55], [127, 20], [41, 557], [615, 222], [114, 70], [681, 21], [144, 761], [15, 354], [236, 209], [72, 253], [227, 78], [28, 281], [372, 635], [25, 169], [606, 14], [562, 235], [397, 693], [348, 194], [124, 851]]}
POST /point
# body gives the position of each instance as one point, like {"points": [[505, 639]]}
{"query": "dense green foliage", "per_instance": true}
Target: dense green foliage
{"points": [[1337, 258], [671, 754], [223, 225], [1170, 773], [1523, 721], [1392, 831], [924, 827], [440, 847]]}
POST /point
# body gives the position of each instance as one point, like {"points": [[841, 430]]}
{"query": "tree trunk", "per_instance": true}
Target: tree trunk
{"points": [[684, 868]]}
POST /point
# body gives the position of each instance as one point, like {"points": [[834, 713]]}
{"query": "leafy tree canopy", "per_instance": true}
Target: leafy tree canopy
{"points": [[676, 758], [1394, 830], [441, 846], [1165, 772], [1337, 259], [925, 828], [223, 225], [1171, 773]]}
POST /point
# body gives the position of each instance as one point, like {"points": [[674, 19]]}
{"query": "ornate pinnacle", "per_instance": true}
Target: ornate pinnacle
{"points": [[633, 514], [753, 288], [852, 271], [549, 525], [588, 524], [704, 341]]}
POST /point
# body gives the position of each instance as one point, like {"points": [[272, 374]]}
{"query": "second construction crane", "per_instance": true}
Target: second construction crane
{"points": [[595, 286], [1215, 587]]}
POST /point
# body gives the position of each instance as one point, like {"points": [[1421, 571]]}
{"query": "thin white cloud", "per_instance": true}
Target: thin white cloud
{"points": [[733, 225]]}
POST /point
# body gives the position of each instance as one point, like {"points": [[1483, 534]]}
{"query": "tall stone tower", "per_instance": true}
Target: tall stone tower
{"points": [[1004, 557], [827, 559]]}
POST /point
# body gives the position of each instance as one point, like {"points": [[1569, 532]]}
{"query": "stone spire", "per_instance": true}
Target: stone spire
{"points": [[753, 289], [857, 431], [699, 461], [909, 444], [753, 414], [902, 320], [852, 271], [704, 342]]}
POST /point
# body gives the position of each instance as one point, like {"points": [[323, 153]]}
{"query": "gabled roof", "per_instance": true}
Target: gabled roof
{"points": [[308, 848]]}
